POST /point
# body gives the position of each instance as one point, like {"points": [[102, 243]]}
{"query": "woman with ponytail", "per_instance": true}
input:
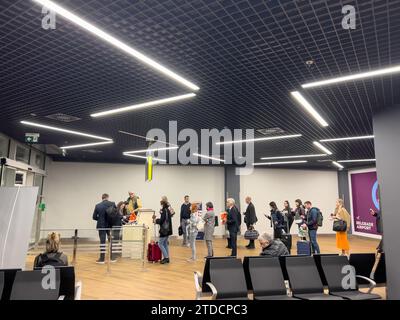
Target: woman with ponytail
{"points": [[52, 256]]}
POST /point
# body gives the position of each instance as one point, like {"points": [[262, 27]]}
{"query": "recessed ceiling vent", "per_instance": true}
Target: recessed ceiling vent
{"points": [[270, 131], [63, 117]]}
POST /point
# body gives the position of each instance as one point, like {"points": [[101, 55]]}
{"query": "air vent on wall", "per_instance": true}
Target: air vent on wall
{"points": [[270, 131], [63, 117]]}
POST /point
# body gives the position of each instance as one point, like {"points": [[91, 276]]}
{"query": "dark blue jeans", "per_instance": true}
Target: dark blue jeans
{"points": [[233, 242], [103, 234], [313, 239]]}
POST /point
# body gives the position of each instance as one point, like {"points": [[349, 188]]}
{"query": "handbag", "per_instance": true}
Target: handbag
{"points": [[339, 225], [180, 230], [251, 234]]}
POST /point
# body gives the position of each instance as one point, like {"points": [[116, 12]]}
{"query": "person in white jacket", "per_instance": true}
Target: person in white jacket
{"points": [[193, 230]]}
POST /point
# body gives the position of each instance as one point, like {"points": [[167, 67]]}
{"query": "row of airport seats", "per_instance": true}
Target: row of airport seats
{"points": [[286, 278], [16, 284]]}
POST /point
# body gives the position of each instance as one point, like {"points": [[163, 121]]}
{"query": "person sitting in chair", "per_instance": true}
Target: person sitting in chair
{"points": [[272, 247], [52, 256]]}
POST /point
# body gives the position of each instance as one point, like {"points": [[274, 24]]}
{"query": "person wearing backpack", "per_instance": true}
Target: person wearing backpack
{"points": [[277, 220], [313, 221], [100, 215], [165, 223], [52, 256]]}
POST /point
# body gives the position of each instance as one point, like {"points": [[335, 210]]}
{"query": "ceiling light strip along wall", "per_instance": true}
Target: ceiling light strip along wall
{"points": [[356, 160], [38, 125], [150, 150], [86, 145], [322, 148], [309, 108], [347, 138], [115, 42], [356, 76], [143, 157], [277, 163], [337, 165], [261, 139], [208, 157], [294, 157], [143, 105]]}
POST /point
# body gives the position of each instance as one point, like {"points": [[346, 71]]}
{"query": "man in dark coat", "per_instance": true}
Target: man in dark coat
{"points": [[250, 218], [100, 215], [233, 222], [272, 247], [184, 219]]}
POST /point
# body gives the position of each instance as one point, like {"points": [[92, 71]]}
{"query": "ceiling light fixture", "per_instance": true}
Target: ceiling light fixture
{"points": [[208, 157], [357, 160], [321, 147], [143, 105], [281, 162], [115, 42], [293, 157], [309, 108], [150, 150], [338, 165], [347, 138], [356, 76], [86, 145], [261, 139], [34, 124], [142, 157]]}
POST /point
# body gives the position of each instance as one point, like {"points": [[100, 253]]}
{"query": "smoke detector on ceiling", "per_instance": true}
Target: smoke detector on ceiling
{"points": [[270, 131], [63, 117]]}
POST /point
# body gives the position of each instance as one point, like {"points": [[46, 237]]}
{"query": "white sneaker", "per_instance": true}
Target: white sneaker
{"points": [[100, 261], [113, 260]]}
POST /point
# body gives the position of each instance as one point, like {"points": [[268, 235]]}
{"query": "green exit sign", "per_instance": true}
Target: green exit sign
{"points": [[31, 137]]}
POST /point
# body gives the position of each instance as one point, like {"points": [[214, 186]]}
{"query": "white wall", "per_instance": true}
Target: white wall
{"points": [[265, 185], [71, 190]]}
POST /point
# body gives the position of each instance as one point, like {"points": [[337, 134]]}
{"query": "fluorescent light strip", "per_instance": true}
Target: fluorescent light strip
{"points": [[293, 157], [347, 138], [337, 165], [143, 105], [86, 145], [208, 157], [34, 124], [115, 42], [356, 76], [147, 139], [321, 147], [150, 150], [309, 108], [281, 162], [357, 160], [143, 157], [261, 139]]}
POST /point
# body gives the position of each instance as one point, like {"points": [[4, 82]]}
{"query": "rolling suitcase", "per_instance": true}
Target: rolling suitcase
{"points": [[153, 250], [304, 247], [286, 238]]}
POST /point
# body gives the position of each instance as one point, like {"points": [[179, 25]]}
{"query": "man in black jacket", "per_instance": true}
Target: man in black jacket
{"points": [[233, 222], [250, 218], [272, 247], [184, 219], [100, 215]]}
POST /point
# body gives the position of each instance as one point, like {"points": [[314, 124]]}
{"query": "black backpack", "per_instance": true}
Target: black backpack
{"points": [[112, 213]]}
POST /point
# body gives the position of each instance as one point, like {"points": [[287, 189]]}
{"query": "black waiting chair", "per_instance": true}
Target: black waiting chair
{"points": [[266, 278], [304, 279], [317, 259], [8, 276], [1, 283], [200, 280], [69, 289], [335, 269], [28, 286], [364, 263], [227, 279], [246, 267]]}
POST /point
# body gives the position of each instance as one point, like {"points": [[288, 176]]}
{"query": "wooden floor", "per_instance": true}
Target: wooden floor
{"points": [[128, 280]]}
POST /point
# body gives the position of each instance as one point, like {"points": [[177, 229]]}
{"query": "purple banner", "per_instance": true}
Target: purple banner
{"points": [[364, 191]]}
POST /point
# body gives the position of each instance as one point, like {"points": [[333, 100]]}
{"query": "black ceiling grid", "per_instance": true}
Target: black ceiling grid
{"points": [[246, 56]]}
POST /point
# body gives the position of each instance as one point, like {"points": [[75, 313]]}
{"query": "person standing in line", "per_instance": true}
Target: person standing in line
{"points": [[233, 223], [250, 219], [341, 213], [277, 220], [184, 219], [312, 225], [209, 226], [193, 230], [100, 215], [288, 215], [165, 223], [300, 219]]}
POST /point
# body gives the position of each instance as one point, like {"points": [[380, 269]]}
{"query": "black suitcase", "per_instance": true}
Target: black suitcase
{"points": [[287, 240]]}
